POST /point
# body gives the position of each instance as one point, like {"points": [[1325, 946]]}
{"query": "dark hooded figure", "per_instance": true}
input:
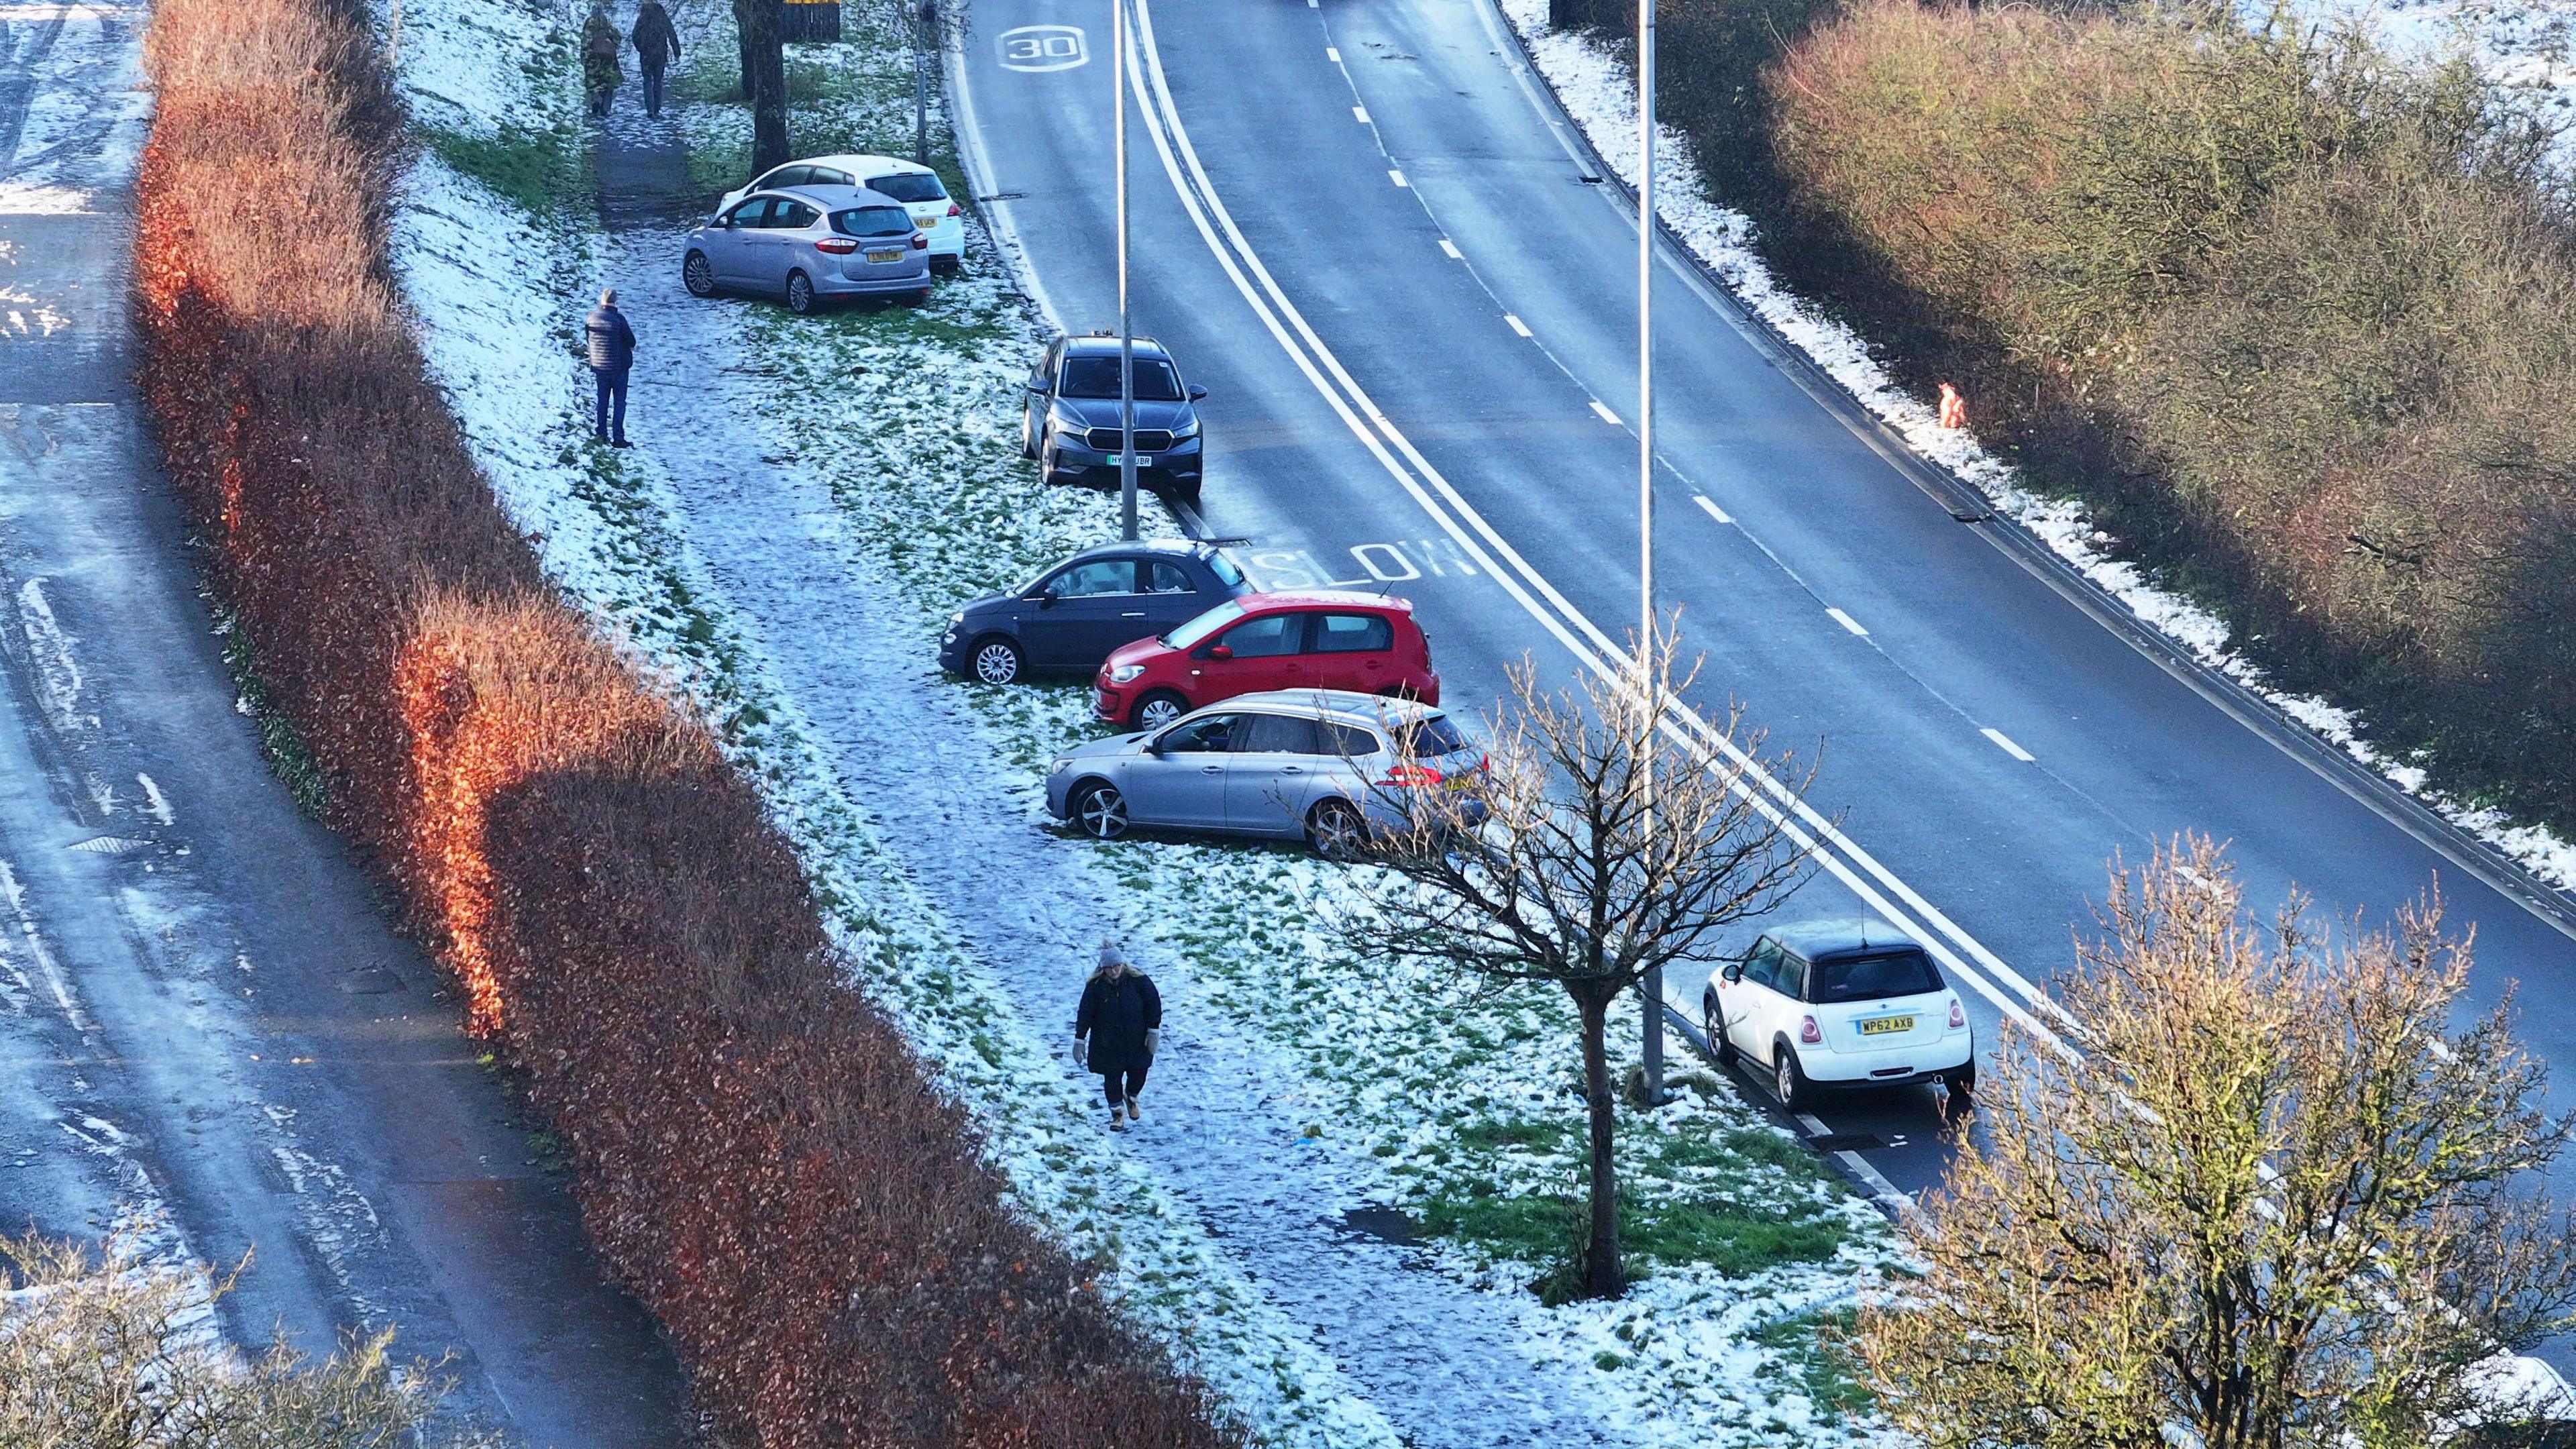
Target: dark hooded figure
{"points": [[1116, 1030], [600, 72], [657, 44]]}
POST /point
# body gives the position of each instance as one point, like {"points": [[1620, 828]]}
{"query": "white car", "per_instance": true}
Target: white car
{"points": [[1848, 1002], [915, 185]]}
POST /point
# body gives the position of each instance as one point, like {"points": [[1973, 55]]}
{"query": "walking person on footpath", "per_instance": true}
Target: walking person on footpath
{"points": [[612, 353], [600, 72], [657, 44], [1116, 1030]]}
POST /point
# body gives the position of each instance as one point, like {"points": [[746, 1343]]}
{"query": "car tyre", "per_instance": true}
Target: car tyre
{"points": [[800, 294], [1789, 1080], [1336, 829], [1099, 811], [1157, 709], [1712, 1022], [698, 275], [996, 660]]}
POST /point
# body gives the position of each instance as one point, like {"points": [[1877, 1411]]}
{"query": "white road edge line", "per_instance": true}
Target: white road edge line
{"points": [[2009, 991], [1451, 248], [1607, 416], [1848, 622], [1517, 325], [2005, 743], [1711, 509]]}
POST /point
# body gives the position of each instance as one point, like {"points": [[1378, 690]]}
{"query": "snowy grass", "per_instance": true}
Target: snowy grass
{"points": [[2525, 47]]}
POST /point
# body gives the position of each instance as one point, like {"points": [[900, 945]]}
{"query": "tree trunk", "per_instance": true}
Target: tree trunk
{"points": [[920, 107], [764, 79], [1601, 1273], [742, 47]]}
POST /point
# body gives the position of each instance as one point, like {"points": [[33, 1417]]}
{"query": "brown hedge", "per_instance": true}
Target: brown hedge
{"points": [[756, 1151]]}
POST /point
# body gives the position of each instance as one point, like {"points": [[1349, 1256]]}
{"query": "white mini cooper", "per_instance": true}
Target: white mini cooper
{"points": [[1848, 1003]]}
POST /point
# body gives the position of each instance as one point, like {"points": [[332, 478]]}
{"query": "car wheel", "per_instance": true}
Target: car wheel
{"points": [[998, 660], [1712, 1022], [699, 275], [1336, 829], [1100, 811], [1788, 1079], [1158, 709], [800, 293], [1962, 1083]]}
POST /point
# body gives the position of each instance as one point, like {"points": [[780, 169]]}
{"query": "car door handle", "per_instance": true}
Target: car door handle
{"points": [[1292, 769], [1211, 769], [1133, 614]]}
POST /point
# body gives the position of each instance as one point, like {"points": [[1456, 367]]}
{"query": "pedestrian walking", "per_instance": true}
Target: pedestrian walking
{"points": [[1116, 1031], [657, 44], [600, 71], [612, 353]]}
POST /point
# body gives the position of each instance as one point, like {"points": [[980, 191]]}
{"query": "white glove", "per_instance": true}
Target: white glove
{"points": [[1081, 1052], [1153, 1043]]}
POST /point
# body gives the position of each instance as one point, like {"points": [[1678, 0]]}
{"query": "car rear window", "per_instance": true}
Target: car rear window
{"points": [[1430, 737], [1351, 742], [1098, 377], [1867, 978], [909, 186], [1189, 634], [873, 221], [1353, 634]]}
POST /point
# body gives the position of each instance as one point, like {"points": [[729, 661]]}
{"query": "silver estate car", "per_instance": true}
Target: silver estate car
{"points": [[810, 245], [1327, 765]]}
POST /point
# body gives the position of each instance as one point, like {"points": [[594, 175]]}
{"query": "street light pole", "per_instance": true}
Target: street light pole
{"points": [[1653, 985], [1126, 333]]}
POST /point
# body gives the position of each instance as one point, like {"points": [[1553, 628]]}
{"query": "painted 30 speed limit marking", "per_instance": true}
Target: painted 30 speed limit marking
{"points": [[1043, 47]]}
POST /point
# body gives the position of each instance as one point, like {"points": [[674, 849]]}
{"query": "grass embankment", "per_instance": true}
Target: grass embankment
{"points": [[755, 1150], [2287, 313]]}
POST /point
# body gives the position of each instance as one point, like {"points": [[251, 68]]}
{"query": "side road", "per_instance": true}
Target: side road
{"points": [[206, 1022]]}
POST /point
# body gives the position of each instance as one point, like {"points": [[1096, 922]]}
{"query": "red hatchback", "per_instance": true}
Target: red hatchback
{"points": [[1326, 639]]}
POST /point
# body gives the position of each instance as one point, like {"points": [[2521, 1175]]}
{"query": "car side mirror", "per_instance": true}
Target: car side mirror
{"points": [[1732, 973], [1046, 598], [1197, 392], [1220, 651]]}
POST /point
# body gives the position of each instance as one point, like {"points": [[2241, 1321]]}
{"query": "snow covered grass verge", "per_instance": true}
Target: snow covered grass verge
{"points": [[2529, 46]]}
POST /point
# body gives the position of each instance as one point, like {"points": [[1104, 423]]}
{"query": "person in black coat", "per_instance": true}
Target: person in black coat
{"points": [[1116, 1030], [612, 352], [657, 44]]}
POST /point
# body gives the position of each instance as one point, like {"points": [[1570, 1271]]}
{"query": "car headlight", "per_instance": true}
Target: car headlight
{"points": [[1066, 422], [957, 618], [1125, 673], [1189, 429], [1060, 766]]}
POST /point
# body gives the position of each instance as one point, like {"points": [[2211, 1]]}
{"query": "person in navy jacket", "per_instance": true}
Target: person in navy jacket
{"points": [[612, 352]]}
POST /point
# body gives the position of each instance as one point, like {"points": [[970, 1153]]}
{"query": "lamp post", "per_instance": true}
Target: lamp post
{"points": [[1126, 333], [1653, 985]]}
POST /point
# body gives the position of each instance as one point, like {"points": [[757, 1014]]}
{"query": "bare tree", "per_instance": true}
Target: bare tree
{"points": [[1602, 854], [112, 1352], [2273, 1202]]}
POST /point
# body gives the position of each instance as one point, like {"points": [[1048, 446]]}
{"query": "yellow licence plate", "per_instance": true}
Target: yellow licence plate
{"points": [[885, 256], [1882, 1025]]}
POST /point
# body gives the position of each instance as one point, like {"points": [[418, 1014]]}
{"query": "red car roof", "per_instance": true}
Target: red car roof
{"points": [[1333, 598]]}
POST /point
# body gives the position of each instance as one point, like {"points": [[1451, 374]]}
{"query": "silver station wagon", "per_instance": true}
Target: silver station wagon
{"points": [[808, 246], [1327, 765]]}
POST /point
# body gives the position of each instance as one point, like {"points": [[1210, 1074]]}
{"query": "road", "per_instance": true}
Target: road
{"points": [[209, 1030], [1377, 241]]}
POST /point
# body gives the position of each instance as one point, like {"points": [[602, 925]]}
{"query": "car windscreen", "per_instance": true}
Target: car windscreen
{"points": [[1224, 569], [908, 186], [873, 221], [1428, 739], [1870, 978], [1098, 377], [1189, 634]]}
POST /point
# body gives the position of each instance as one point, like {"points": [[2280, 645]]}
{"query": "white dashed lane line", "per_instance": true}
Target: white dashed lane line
{"points": [[2004, 742], [1607, 416], [1451, 248], [1521, 327], [1398, 178], [1848, 622], [1360, 114], [1333, 53], [1711, 509]]}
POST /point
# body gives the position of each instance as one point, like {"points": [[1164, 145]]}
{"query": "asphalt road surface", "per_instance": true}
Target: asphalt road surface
{"points": [[1369, 231], [209, 1034]]}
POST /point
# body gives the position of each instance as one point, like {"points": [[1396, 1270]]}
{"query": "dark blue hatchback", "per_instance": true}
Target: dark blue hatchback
{"points": [[1069, 618]]}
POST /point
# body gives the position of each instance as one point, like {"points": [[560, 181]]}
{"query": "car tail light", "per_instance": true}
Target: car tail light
{"points": [[920, 241], [1411, 775], [952, 208], [1809, 1032], [1958, 1014], [839, 246]]}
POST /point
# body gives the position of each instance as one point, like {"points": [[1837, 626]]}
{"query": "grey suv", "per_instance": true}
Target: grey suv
{"points": [[1329, 765], [1071, 421]]}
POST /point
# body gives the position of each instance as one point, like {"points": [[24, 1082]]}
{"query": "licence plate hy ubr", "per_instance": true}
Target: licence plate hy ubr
{"points": [[1882, 1025], [895, 256]]}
